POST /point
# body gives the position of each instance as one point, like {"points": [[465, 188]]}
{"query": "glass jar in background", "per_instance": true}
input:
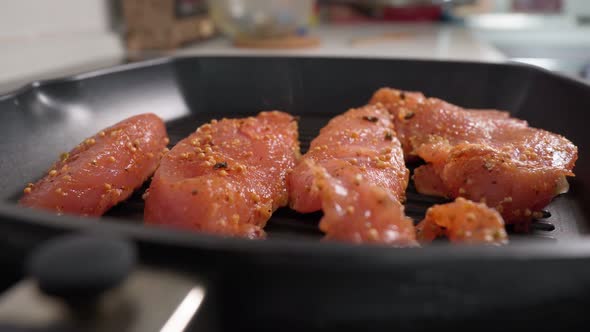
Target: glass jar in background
{"points": [[262, 19]]}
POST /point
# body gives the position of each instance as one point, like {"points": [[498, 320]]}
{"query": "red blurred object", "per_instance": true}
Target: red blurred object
{"points": [[342, 13], [411, 13], [357, 13], [538, 6]]}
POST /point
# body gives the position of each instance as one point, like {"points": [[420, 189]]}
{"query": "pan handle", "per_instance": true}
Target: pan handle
{"points": [[94, 283]]}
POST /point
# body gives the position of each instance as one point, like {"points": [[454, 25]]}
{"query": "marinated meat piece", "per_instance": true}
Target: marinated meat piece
{"points": [[419, 120], [362, 138], [463, 221], [354, 171], [358, 211], [103, 170], [227, 177], [480, 155]]}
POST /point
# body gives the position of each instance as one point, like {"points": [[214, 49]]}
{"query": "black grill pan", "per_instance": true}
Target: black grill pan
{"points": [[293, 281]]}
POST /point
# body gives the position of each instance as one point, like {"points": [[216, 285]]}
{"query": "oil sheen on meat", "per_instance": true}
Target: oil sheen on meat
{"points": [[463, 221], [354, 171], [227, 177], [482, 155], [101, 171]]}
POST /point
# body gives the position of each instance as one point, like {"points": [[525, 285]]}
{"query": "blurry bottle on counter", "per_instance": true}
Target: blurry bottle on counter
{"points": [[165, 24]]}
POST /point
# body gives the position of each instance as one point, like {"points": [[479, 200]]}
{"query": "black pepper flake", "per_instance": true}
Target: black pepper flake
{"points": [[409, 115], [220, 165], [402, 95], [370, 118], [388, 136]]}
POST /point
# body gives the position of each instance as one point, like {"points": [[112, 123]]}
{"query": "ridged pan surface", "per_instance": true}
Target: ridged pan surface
{"points": [[40, 121]]}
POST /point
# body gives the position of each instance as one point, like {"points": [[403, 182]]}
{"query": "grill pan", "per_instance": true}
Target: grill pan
{"points": [[293, 281]]}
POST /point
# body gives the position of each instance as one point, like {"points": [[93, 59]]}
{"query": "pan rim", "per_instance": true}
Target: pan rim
{"points": [[519, 249], [13, 215], [171, 60]]}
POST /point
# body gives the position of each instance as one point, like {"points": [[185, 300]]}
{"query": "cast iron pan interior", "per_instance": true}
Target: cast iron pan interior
{"points": [[43, 119]]}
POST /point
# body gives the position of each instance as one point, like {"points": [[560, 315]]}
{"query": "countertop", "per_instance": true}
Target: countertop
{"points": [[23, 61], [376, 40]]}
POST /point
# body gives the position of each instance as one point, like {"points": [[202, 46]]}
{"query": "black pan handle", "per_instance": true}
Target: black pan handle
{"points": [[80, 268], [94, 283]]}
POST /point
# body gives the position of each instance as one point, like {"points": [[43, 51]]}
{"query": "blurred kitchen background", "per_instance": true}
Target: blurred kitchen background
{"points": [[47, 39]]}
